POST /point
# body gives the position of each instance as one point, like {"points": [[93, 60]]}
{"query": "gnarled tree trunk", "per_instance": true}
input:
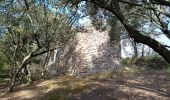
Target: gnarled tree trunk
{"points": [[22, 65], [133, 33]]}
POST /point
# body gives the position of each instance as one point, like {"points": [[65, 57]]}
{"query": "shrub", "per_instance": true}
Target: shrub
{"points": [[149, 62], [112, 74]]}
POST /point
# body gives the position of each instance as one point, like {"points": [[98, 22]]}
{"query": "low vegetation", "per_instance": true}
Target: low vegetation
{"points": [[147, 62], [35, 34]]}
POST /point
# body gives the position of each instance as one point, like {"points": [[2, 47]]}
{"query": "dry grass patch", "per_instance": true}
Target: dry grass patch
{"points": [[132, 70], [66, 87]]}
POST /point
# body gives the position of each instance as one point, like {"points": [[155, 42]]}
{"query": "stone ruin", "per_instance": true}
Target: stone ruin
{"points": [[90, 51]]}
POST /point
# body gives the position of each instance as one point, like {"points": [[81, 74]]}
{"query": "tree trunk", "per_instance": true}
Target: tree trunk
{"points": [[12, 72], [47, 58], [24, 61], [143, 51], [133, 33], [22, 65], [13, 64], [155, 45], [134, 44], [26, 74]]}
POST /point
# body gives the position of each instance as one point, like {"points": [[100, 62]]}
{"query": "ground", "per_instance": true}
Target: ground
{"points": [[143, 85]]}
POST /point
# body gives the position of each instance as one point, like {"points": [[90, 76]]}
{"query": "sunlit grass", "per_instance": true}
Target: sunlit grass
{"points": [[73, 85], [132, 70], [168, 70], [63, 87], [4, 81], [113, 74]]}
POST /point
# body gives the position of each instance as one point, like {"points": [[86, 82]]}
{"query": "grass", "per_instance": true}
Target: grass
{"points": [[104, 75], [3, 81], [168, 70], [69, 85], [64, 87], [132, 70], [64, 93]]}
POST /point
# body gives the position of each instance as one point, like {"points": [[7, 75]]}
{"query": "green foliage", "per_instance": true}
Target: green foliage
{"points": [[63, 94], [3, 81], [129, 61], [168, 69], [64, 88], [31, 30], [113, 74], [4, 64], [132, 69], [149, 62]]}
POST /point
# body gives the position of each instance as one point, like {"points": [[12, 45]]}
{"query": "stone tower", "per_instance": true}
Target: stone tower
{"points": [[92, 51]]}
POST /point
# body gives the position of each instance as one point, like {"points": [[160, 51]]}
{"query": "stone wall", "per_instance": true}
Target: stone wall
{"points": [[90, 51]]}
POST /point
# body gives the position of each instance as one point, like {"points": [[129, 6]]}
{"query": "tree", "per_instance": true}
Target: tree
{"points": [[154, 12], [31, 29]]}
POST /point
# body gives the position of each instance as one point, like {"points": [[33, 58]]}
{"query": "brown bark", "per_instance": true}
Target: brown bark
{"points": [[22, 65], [135, 49], [44, 76], [133, 33], [162, 2], [155, 45], [143, 51]]}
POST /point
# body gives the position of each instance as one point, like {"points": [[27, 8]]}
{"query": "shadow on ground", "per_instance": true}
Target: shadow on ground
{"points": [[148, 85]]}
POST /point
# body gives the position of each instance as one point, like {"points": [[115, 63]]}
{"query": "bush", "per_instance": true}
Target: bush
{"points": [[112, 74], [4, 66], [168, 69], [3, 81], [157, 63], [126, 61], [149, 62]]}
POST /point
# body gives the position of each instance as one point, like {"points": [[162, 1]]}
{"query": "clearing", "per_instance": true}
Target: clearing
{"points": [[143, 85]]}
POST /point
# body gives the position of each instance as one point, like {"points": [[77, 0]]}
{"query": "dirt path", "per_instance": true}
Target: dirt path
{"points": [[148, 85]]}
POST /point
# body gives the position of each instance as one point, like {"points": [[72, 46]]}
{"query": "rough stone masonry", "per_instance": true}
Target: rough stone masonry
{"points": [[94, 52], [90, 51]]}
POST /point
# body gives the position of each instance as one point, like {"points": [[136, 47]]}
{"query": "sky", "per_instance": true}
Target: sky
{"points": [[162, 38], [86, 22]]}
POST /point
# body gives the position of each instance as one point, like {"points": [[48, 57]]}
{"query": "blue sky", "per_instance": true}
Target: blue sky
{"points": [[162, 38], [86, 21]]}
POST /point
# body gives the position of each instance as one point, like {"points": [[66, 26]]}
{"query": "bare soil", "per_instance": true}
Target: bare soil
{"points": [[146, 85]]}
